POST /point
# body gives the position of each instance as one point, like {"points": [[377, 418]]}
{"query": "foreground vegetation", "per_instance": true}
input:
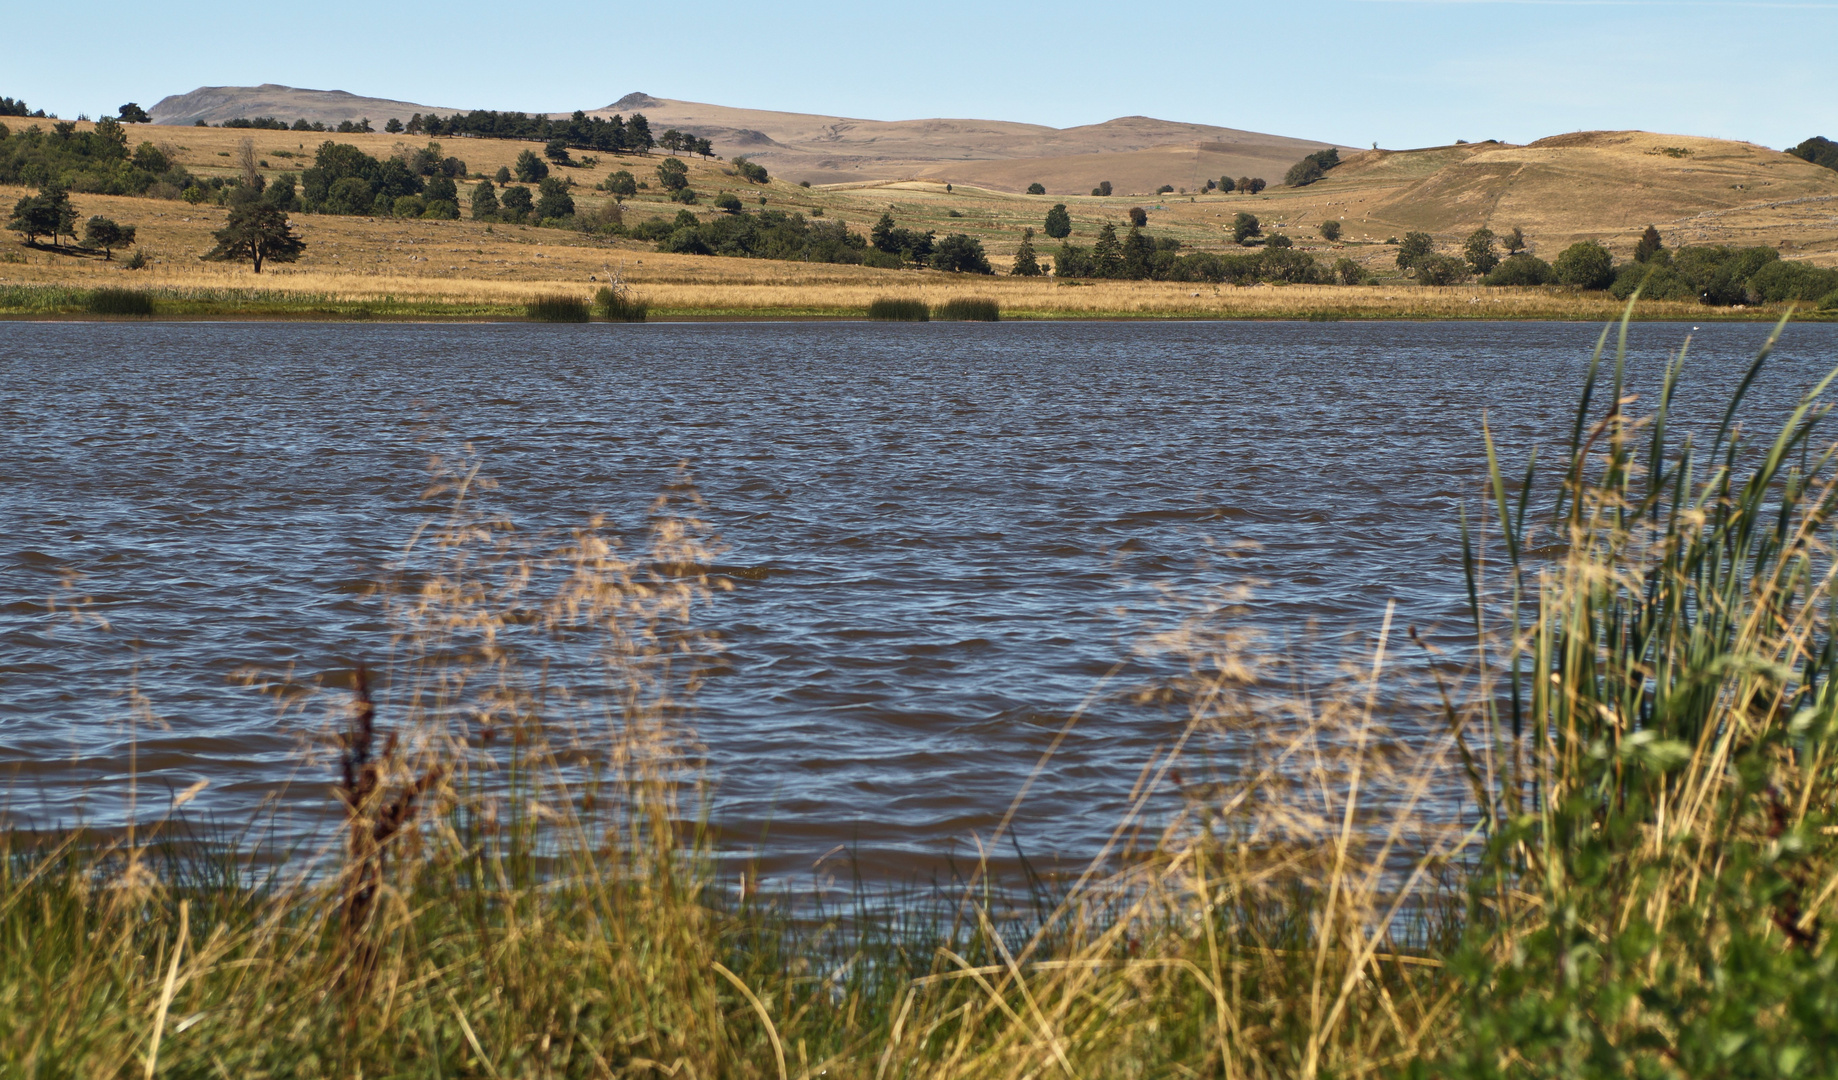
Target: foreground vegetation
{"points": [[513, 882]]}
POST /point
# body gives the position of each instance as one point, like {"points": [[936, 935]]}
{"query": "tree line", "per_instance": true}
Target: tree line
{"points": [[1713, 274]]}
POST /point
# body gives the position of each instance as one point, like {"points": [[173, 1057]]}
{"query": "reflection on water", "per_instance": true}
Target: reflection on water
{"points": [[941, 535]]}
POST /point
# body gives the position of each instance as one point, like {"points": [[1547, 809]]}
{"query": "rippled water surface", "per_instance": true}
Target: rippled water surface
{"points": [[940, 524]]}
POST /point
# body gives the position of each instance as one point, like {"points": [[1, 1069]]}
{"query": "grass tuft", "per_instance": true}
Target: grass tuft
{"points": [[968, 309], [898, 309], [119, 302], [558, 308]]}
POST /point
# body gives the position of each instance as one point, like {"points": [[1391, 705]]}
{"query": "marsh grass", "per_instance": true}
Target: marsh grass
{"points": [[619, 305], [119, 302], [557, 307], [898, 309], [518, 880], [968, 309]]}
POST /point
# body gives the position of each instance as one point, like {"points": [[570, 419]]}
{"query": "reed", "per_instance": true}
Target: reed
{"points": [[516, 881], [898, 309], [557, 307], [619, 305], [968, 309], [119, 302]]}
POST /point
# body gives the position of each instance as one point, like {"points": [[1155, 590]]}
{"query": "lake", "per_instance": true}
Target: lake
{"points": [[940, 536]]}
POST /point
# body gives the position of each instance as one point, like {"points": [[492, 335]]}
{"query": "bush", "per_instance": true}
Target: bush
{"points": [[1781, 281], [1036, 189], [1311, 168], [727, 202], [1586, 265], [898, 309], [1521, 270], [960, 253], [686, 196], [557, 307], [1245, 226], [1656, 280], [968, 309], [441, 210], [651, 230], [752, 173], [1138, 217], [1440, 270], [619, 305], [1830, 303], [1330, 231], [118, 302], [409, 206], [1349, 272]]}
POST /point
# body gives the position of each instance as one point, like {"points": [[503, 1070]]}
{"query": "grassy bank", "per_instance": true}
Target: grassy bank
{"points": [[513, 881], [329, 297]]}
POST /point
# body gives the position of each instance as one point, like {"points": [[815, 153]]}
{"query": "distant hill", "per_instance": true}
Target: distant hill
{"points": [[1133, 152], [215, 104]]}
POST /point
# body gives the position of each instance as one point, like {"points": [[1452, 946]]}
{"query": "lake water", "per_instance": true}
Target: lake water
{"points": [[950, 531]]}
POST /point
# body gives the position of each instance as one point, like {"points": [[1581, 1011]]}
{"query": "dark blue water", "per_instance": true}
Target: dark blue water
{"points": [[949, 533]]}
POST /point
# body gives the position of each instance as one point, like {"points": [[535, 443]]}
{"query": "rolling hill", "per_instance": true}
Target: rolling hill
{"points": [[1132, 152]]}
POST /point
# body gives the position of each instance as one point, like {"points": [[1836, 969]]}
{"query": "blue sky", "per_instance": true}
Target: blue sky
{"points": [[1400, 73]]}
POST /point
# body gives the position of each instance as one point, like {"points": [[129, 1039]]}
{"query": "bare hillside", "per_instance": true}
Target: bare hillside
{"points": [[215, 104], [837, 149]]}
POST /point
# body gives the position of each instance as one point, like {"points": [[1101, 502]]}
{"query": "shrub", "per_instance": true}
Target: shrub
{"points": [[1330, 231], [752, 173], [1349, 272], [1521, 270], [409, 206], [619, 305], [898, 309], [1102, 189], [1036, 189], [1279, 241], [651, 230], [1138, 217], [1655, 279], [1440, 270], [1311, 168], [441, 210], [1245, 226], [686, 196], [727, 202], [1586, 265], [557, 307], [1830, 303], [1781, 281], [118, 302], [136, 261], [968, 309]]}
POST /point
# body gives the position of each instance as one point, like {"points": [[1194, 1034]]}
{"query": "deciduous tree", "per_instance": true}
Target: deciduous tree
{"points": [[1330, 231], [1416, 245], [1480, 252], [133, 114], [1036, 189]]}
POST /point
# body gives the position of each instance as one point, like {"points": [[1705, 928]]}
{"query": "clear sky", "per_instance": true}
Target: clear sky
{"points": [[1401, 73]]}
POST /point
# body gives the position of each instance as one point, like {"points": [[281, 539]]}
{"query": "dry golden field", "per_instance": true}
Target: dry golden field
{"points": [[1606, 186]]}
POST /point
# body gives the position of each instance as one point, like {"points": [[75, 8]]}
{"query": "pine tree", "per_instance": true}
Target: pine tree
{"points": [[256, 232], [881, 236], [1107, 253], [1026, 264], [107, 235], [1649, 245]]}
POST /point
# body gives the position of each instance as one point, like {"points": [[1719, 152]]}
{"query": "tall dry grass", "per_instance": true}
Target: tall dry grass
{"points": [[1603, 847]]}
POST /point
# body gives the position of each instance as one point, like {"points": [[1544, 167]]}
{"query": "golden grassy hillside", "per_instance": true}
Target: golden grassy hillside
{"points": [[1608, 186]]}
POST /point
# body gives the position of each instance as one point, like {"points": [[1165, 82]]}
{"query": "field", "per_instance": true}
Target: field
{"points": [[1708, 192]]}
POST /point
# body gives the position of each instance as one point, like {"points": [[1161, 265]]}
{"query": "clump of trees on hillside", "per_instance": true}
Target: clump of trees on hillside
{"points": [[13, 107], [345, 180], [1312, 168], [1819, 151], [95, 161], [611, 135]]}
